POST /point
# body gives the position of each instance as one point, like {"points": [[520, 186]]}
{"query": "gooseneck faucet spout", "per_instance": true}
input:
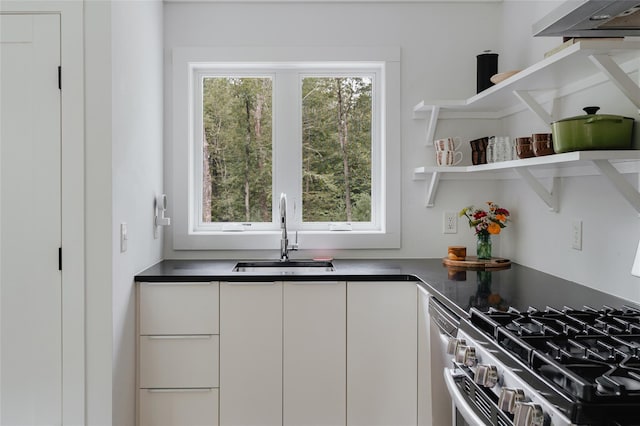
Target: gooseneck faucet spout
{"points": [[284, 240]]}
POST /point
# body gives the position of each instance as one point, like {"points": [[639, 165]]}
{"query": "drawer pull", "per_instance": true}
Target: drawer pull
{"points": [[178, 283], [181, 337], [179, 390], [250, 282], [315, 282]]}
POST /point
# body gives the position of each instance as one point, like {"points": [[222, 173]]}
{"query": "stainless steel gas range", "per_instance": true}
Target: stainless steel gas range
{"points": [[544, 367]]}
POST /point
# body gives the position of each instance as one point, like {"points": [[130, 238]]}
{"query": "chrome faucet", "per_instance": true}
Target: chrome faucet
{"points": [[284, 241]]}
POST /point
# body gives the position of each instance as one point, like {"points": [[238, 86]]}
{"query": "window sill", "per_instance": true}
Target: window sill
{"points": [[270, 240]]}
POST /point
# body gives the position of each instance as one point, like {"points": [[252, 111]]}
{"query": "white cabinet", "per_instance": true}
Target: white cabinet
{"points": [[282, 355], [425, 372], [314, 360], [292, 353], [178, 349], [189, 361], [184, 407], [434, 402], [178, 308], [251, 353], [381, 353]]}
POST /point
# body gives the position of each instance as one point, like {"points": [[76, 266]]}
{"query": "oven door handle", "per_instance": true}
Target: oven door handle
{"points": [[459, 402]]}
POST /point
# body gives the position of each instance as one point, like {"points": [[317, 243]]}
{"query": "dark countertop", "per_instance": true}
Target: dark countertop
{"points": [[518, 286]]}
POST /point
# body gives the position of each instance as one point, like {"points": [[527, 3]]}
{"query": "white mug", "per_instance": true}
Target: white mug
{"points": [[447, 144], [448, 157]]}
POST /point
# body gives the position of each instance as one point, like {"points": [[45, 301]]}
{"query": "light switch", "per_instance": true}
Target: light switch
{"points": [[124, 237], [635, 269], [576, 234]]}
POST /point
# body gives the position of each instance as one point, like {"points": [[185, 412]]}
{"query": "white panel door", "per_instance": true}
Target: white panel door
{"points": [[314, 353], [251, 354], [382, 353], [30, 218]]}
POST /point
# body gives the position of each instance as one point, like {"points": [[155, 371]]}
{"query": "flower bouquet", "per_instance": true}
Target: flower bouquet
{"points": [[486, 223]]}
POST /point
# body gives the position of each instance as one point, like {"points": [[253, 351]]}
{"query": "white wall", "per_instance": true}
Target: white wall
{"points": [[137, 140], [439, 43], [124, 174], [541, 239], [98, 212]]}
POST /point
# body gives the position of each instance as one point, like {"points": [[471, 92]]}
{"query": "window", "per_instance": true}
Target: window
{"points": [[337, 121], [234, 184], [247, 129]]}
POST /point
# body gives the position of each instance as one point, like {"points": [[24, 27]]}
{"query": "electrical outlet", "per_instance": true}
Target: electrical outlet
{"points": [[449, 223], [576, 234]]}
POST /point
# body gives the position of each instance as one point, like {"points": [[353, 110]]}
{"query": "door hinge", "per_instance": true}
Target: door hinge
{"points": [[59, 77], [59, 258]]}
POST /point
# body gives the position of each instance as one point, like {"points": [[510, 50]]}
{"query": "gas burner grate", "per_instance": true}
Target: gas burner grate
{"points": [[622, 381], [576, 350]]}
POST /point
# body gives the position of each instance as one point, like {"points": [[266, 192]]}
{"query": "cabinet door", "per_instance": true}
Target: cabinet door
{"points": [[314, 353], [178, 407], [179, 308], [381, 353], [427, 376], [251, 354]]}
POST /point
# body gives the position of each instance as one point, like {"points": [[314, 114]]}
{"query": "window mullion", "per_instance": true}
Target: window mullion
{"points": [[287, 145]]}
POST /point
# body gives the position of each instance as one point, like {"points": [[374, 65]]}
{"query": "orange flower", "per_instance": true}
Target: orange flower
{"points": [[493, 228], [502, 218]]}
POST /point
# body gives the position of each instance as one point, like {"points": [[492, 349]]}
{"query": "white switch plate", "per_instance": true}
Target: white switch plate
{"points": [[635, 269], [576, 234], [449, 223], [124, 237]]}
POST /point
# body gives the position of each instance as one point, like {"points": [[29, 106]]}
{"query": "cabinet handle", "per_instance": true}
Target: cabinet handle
{"points": [[181, 337], [178, 283], [315, 282], [179, 390], [250, 282]]}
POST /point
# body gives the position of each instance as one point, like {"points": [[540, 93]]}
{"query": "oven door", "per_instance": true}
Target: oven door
{"points": [[461, 412]]}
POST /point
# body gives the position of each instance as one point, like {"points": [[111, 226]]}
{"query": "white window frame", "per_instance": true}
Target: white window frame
{"points": [[189, 64], [195, 213]]}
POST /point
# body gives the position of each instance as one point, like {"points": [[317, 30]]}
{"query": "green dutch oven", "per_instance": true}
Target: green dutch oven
{"points": [[591, 131]]}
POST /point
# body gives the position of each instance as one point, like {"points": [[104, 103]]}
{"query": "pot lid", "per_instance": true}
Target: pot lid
{"points": [[591, 113]]}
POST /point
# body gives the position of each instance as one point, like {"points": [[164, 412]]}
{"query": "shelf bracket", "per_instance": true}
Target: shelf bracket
{"points": [[622, 185], [432, 189], [526, 98], [618, 77], [550, 198], [433, 122]]}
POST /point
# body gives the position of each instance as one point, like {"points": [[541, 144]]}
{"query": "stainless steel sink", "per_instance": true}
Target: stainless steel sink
{"points": [[285, 267]]}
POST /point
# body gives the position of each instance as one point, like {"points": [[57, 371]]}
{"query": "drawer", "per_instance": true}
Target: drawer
{"points": [[179, 308], [179, 361], [179, 407]]}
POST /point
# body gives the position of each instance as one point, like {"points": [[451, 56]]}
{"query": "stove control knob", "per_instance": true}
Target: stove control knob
{"points": [[508, 399], [528, 414], [466, 355], [486, 375], [454, 343]]}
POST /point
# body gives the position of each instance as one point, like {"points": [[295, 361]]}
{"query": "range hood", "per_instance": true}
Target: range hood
{"points": [[591, 18]]}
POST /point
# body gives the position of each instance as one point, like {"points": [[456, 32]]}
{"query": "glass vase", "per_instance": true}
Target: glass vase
{"points": [[483, 249]]}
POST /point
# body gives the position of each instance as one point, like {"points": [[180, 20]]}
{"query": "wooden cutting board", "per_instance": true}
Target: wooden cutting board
{"points": [[472, 262]]}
